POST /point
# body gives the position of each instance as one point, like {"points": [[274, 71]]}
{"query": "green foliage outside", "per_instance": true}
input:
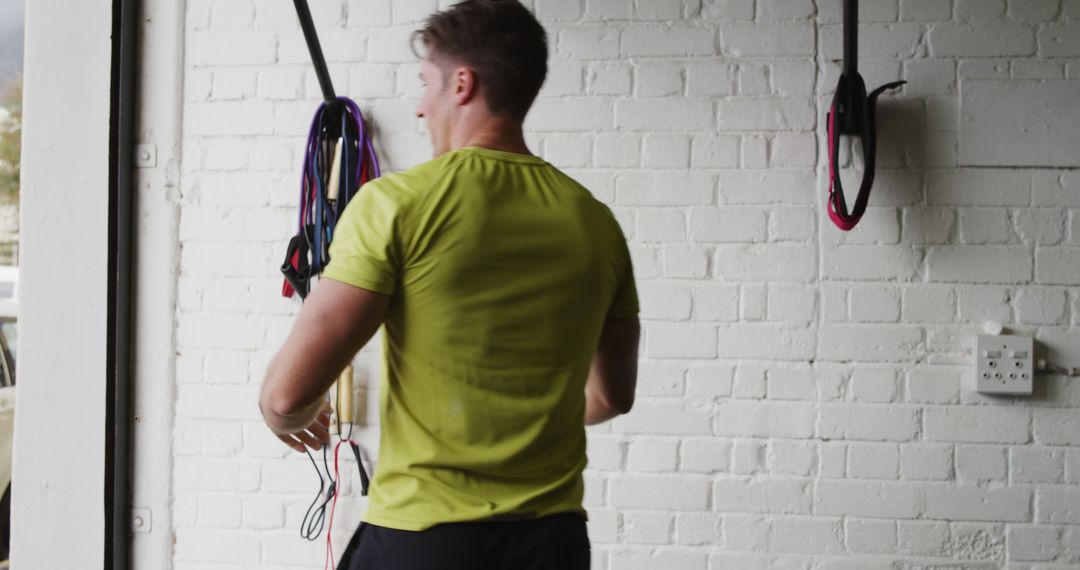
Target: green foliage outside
{"points": [[10, 142]]}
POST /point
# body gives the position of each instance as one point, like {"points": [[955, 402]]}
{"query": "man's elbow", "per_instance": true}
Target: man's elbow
{"points": [[620, 404], [275, 402]]}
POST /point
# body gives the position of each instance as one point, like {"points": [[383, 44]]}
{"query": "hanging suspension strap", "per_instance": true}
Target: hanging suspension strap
{"points": [[852, 112]]}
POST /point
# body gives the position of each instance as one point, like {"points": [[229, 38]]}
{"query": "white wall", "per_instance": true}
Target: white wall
{"points": [[58, 509], [803, 398]]}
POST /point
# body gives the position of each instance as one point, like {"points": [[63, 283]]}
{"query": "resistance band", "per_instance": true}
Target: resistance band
{"points": [[339, 159], [852, 113]]}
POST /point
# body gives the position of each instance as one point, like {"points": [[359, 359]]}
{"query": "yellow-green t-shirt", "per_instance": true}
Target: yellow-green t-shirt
{"points": [[502, 271]]}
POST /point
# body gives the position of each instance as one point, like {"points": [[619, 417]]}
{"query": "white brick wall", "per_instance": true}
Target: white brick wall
{"points": [[803, 396]]}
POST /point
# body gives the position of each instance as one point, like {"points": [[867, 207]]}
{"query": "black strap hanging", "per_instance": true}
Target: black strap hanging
{"points": [[852, 113]]}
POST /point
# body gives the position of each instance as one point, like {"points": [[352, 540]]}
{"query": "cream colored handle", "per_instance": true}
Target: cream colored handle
{"points": [[335, 172], [345, 395]]}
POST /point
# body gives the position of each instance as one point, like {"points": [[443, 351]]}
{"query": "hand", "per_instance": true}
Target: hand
{"points": [[314, 436]]}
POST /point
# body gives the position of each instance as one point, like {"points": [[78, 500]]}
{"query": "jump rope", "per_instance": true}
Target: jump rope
{"points": [[339, 159]]}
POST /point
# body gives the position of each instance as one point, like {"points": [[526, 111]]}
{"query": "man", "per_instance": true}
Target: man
{"points": [[510, 314]]}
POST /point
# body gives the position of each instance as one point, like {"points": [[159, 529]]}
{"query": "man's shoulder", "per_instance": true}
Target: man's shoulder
{"points": [[411, 184]]}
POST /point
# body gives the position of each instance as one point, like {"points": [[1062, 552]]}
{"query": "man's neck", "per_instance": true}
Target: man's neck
{"points": [[490, 132]]}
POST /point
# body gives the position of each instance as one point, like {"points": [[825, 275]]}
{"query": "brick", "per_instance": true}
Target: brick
{"points": [[667, 151], [869, 343], [727, 10], [925, 10], [229, 118], [646, 188], [981, 464], [795, 458], [1036, 465], [715, 303], [588, 44], [875, 305], [1040, 227], [1033, 543], [873, 385], [772, 40], [982, 40], [980, 264], [714, 151], [648, 527], [766, 114], [754, 152], [642, 492], [979, 187], [617, 150], [890, 41], [709, 79], [667, 41], [933, 386], [653, 455], [1057, 504], [1056, 189], [637, 560], [697, 529], [765, 262], [930, 77], [1059, 40], [685, 261], [870, 536], [764, 419], [1037, 69], [976, 504], [570, 114], [978, 424], [659, 80], [793, 149], [1057, 427], [928, 304], [615, 79], [792, 78], [664, 418], [792, 304], [705, 456], [727, 225], [980, 10], [1057, 266], [202, 545], [984, 226], [921, 461], [233, 48], [1041, 306], [868, 422], [679, 115], [749, 381], [924, 538], [791, 224], [865, 499], [772, 495]]}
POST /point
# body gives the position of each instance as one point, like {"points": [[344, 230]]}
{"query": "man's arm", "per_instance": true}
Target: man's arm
{"points": [[335, 322], [609, 390]]}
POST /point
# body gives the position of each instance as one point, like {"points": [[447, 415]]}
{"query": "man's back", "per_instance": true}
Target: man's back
{"points": [[502, 271]]}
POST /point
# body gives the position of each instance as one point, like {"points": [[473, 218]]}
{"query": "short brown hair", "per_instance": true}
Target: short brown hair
{"points": [[501, 41]]}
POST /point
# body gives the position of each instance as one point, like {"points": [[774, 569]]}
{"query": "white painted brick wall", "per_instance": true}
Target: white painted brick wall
{"points": [[803, 397]]}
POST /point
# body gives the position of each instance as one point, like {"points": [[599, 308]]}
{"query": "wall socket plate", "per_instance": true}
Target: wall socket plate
{"points": [[1004, 364]]}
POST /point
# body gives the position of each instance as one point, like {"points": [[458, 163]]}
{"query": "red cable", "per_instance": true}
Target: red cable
{"points": [[333, 506]]}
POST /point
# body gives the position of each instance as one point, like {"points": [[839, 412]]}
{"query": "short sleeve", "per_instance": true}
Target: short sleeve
{"points": [[625, 302], [365, 251]]}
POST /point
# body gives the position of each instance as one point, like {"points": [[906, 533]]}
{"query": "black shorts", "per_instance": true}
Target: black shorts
{"points": [[555, 542]]}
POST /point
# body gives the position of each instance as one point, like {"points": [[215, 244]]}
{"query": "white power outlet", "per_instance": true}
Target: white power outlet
{"points": [[1004, 364]]}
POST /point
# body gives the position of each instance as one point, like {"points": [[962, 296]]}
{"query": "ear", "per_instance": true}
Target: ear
{"points": [[464, 85]]}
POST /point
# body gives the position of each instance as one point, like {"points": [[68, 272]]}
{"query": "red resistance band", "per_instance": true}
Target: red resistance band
{"points": [[851, 99]]}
